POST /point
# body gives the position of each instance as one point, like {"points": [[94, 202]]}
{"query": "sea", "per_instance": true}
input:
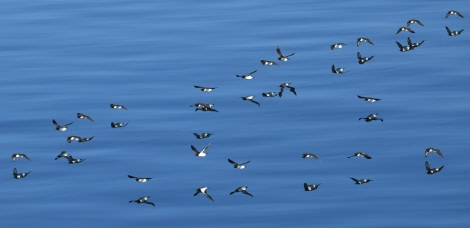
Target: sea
{"points": [[59, 58]]}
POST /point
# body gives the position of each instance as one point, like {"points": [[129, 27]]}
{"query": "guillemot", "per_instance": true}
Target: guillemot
{"points": [[269, 94], [248, 76], [281, 56], [143, 199], [310, 155], [241, 189], [361, 181], [202, 135], [117, 106], [17, 175], [238, 165], [453, 33], [338, 70], [118, 124], [360, 154], [369, 99], [453, 12], [363, 39], [286, 85], [371, 117], [83, 116], [250, 98], [268, 62], [310, 187], [19, 155], [414, 21], [361, 59], [433, 150], [430, 170], [203, 190], [404, 29], [337, 46], [140, 179], [60, 127], [205, 89], [200, 153]]}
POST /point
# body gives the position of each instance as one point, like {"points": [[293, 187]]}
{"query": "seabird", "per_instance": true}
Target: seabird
{"points": [[204, 89], [117, 106], [431, 150], [118, 124], [430, 170], [369, 99], [269, 94], [310, 187], [201, 153], [413, 45], [361, 59], [363, 39], [238, 165], [62, 154], [74, 160], [361, 181], [202, 135], [73, 138], [371, 117], [83, 116], [241, 189], [203, 190], [205, 107], [286, 85], [337, 45], [17, 175], [60, 127], [85, 139], [338, 70], [404, 29], [248, 76], [18, 155], [453, 33], [268, 62], [140, 179], [250, 98], [310, 155], [143, 199], [453, 12], [281, 56], [403, 48], [413, 21], [360, 154]]}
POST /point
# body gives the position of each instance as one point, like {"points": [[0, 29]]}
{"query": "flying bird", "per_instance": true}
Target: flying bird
{"points": [[286, 85], [453, 12], [361, 59], [337, 46], [361, 181], [205, 89], [368, 99], [268, 62], [83, 116], [140, 179], [310, 187], [203, 190], [17, 175], [118, 124], [433, 150], [338, 70], [453, 33], [18, 155], [430, 170], [310, 155], [363, 39], [360, 154], [238, 165], [248, 76], [407, 29], [60, 127], [413, 21], [202, 135], [200, 153], [143, 199], [117, 106], [241, 189], [371, 117], [281, 56]]}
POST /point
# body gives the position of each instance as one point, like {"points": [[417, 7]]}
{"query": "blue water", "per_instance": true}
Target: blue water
{"points": [[59, 58]]}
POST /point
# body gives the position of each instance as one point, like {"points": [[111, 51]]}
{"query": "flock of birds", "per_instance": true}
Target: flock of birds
{"points": [[207, 107]]}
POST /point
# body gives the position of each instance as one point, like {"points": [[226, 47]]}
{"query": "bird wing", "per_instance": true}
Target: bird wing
{"points": [[278, 50], [231, 161], [194, 149]]}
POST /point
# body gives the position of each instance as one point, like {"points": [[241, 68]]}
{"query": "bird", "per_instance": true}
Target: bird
{"points": [[118, 124], [248, 76], [238, 165], [268, 62], [431, 150], [281, 56], [73, 138], [369, 99], [361, 59], [403, 48], [269, 94], [338, 70], [453, 12], [286, 85], [205, 89], [83, 116], [62, 154], [202, 135], [140, 179], [371, 117], [453, 33], [203, 190], [361, 181], [337, 46], [310, 155], [17, 175], [360, 154], [18, 155], [241, 189], [413, 21], [430, 170], [404, 29], [310, 187], [85, 139], [143, 199], [201, 153], [117, 106], [60, 127], [72, 160], [413, 45], [250, 98], [363, 39], [204, 107]]}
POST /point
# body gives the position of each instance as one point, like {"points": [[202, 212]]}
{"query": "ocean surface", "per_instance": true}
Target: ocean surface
{"points": [[59, 58]]}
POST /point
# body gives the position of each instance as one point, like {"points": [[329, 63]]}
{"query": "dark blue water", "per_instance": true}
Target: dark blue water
{"points": [[59, 58]]}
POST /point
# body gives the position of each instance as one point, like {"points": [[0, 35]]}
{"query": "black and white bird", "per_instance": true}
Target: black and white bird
{"points": [[73, 160], [237, 165], [453, 33], [83, 116], [363, 39], [139, 179], [118, 124], [17, 175], [281, 56], [203, 135], [85, 139], [250, 98], [403, 48], [407, 29], [241, 189], [430, 170], [310, 155], [310, 187], [63, 154], [19, 155], [413, 45], [360, 154], [453, 12], [268, 62], [60, 127], [360, 181], [143, 199], [337, 46], [205, 89], [371, 117], [200, 153], [73, 138], [117, 106], [248, 76], [413, 21], [203, 190], [338, 70], [363, 60], [269, 94], [368, 99], [433, 150], [286, 85]]}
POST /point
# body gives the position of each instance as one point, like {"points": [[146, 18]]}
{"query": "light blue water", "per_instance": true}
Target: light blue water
{"points": [[59, 58]]}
